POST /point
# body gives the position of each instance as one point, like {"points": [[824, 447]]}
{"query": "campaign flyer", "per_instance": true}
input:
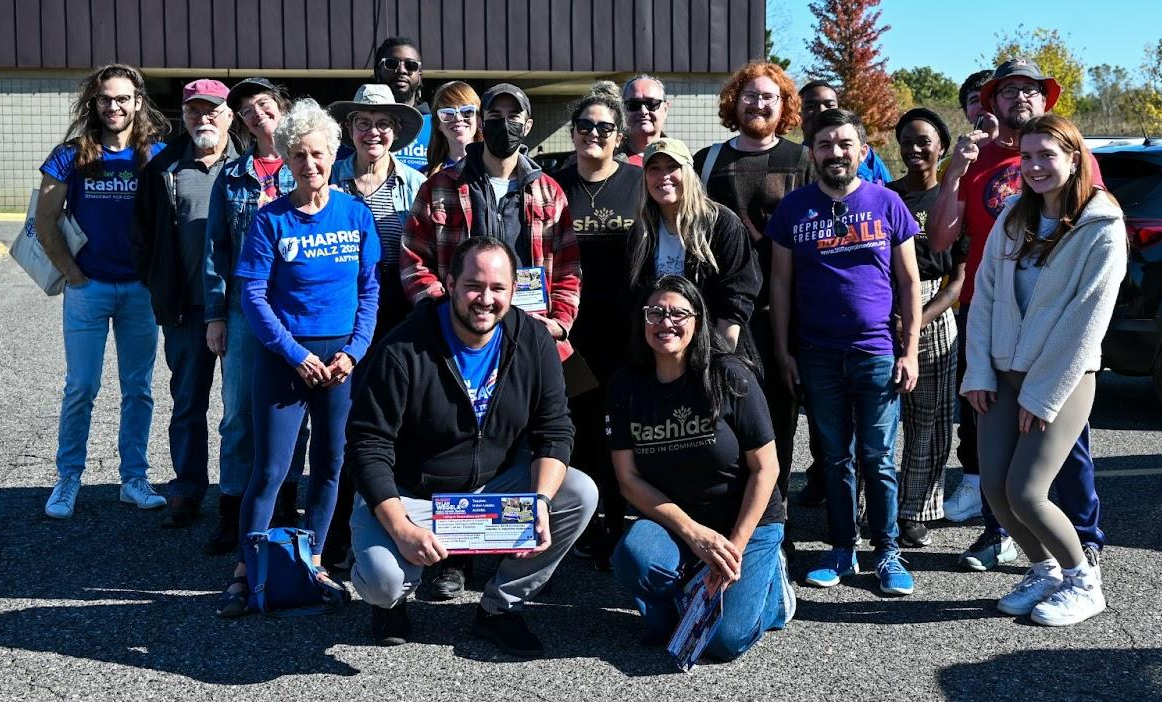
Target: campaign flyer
{"points": [[531, 295], [480, 523], [700, 620]]}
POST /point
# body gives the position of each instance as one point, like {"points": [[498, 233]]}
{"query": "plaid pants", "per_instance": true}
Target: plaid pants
{"points": [[927, 414]]}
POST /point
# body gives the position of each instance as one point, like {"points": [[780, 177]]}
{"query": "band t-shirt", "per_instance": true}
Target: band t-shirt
{"points": [[670, 256], [933, 265], [103, 207], [994, 177], [678, 446], [312, 261], [478, 367], [843, 292]]}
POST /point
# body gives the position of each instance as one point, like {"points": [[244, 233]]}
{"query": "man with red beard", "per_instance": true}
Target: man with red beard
{"points": [[750, 174], [985, 170]]}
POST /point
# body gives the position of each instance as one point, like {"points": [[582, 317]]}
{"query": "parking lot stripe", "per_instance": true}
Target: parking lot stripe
{"points": [[1127, 472]]}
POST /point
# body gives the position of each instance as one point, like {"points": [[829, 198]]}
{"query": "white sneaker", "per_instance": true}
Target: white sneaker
{"points": [[1073, 602], [1030, 592], [139, 492], [963, 504], [63, 499]]}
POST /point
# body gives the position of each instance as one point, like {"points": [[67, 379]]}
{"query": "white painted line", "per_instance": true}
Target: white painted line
{"points": [[3, 251], [1127, 472]]}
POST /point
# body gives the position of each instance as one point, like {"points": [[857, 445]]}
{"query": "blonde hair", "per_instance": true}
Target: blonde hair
{"points": [[697, 215]]}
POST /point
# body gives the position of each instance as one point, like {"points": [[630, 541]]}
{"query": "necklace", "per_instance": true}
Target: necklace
{"points": [[592, 195]]}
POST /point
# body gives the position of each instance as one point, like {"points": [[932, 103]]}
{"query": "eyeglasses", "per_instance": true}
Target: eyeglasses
{"points": [[104, 101], [839, 209], [1011, 91], [586, 126], [362, 124], [750, 97], [264, 104], [393, 64], [678, 316], [198, 115], [451, 114], [636, 104]]}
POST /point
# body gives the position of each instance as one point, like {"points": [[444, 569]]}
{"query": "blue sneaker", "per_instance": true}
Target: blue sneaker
{"points": [[835, 564], [894, 578]]}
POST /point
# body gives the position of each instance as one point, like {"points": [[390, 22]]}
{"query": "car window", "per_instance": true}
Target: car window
{"points": [[1135, 182]]}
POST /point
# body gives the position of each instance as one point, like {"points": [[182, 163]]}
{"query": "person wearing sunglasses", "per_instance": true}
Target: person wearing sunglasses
{"points": [[982, 173], [843, 258], [694, 451], [399, 67], [646, 107], [457, 108], [604, 195]]}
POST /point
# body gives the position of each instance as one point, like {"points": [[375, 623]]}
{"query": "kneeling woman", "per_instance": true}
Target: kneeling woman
{"points": [[1045, 292], [694, 452], [310, 294]]}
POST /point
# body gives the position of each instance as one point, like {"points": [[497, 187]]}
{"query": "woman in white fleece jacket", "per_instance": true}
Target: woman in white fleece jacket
{"points": [[1045, 292]]}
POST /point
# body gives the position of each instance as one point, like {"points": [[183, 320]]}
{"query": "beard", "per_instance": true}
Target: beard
{"points": [[1015, 119], [206, 138], [758, 129], [837, 182], [466, 317]]}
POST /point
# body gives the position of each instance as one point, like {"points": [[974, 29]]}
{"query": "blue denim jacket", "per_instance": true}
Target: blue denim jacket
{"points": [[233, 204], [407, 177]]}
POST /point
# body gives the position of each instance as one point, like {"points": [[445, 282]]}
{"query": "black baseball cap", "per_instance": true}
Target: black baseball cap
{"points": [[506, 89], [248, 87]]}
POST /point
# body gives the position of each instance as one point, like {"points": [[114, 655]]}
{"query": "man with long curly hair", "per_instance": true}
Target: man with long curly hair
{"points": [[115, 131], [749, 174]]}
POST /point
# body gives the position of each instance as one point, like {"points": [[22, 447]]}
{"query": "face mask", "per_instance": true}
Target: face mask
{"points": [[503, 137]]}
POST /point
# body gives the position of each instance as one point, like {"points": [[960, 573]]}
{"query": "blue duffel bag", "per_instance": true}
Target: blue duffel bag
{"points": [[283, 579]]}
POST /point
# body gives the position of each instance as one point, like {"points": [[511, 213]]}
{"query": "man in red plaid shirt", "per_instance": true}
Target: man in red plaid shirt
{"points": [[497, 191]]}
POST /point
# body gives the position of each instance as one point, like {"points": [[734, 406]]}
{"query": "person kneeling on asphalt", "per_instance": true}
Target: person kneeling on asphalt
{"points": [[466, 395]]}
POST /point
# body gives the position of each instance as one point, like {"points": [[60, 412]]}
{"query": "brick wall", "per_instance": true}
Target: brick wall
{"points": [[35, 114]]}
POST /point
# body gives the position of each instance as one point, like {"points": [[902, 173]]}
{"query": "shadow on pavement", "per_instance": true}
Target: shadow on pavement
{"points": [[1058, 675]]}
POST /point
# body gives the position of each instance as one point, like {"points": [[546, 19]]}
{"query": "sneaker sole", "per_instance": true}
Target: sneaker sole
{"points": [[1014, 611], [899, 591], [50, 515], [831, 583], [138, 505], [909, 543], [1066, 622]]}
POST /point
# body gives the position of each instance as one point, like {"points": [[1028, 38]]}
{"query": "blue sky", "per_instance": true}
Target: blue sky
{"points": [[953, 38]]}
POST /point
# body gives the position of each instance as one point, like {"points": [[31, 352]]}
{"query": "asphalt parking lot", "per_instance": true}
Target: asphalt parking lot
{"points": [[109, 606]]}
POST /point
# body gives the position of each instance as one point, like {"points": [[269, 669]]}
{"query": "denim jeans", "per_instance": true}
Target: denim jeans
{"points": [[191, 365], [237, 426], [89, 310], [653, 564], [851, 395]]}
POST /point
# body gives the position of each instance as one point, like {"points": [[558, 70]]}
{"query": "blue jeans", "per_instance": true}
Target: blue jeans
{"points": [[281, 399], [89, 310], [236, 459], [191, 365], [653, 564], [851, 395]]}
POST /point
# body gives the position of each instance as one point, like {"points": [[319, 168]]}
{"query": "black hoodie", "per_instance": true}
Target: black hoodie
{"points": [[412, 425]]}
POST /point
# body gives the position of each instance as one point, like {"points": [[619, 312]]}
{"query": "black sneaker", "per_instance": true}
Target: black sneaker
{"points": [[914, 534], [508, 631], [451, 579], [225, 536], [390, 627], [813, 495]]}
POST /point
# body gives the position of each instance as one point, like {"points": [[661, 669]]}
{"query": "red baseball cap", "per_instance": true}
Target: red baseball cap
{"points": [[212, 91]]}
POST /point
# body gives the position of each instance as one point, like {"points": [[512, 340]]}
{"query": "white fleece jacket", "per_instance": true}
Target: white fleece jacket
{"points": [[1059, 339]]}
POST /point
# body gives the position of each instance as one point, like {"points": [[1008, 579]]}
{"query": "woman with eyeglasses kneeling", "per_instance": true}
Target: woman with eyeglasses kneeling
{"points": [[457, 109], [693, 445], [604, 195], [1045, 293], [309, 292], [683, 232]]}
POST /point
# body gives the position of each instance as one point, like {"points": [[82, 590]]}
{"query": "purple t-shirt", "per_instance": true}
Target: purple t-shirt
{"points": [[843, 289]]}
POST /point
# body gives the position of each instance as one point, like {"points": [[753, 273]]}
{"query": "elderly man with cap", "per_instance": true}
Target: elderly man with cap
{"points": [[982, 173], [497, 191], [169, 243]]}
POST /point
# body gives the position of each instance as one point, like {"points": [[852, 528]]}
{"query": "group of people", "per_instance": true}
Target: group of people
{"points": [[363, 316]]}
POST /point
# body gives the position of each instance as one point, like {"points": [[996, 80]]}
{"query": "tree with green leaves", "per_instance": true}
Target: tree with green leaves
{"points": [[1051, 52], [928, 86], [1110, 84], [847, 52]]}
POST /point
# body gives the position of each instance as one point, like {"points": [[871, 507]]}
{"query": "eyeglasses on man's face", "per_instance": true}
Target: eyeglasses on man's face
{"points": [[393, 64], [104, 101], [197, 115], [1011, 91], [636, 104], [678, 316], [749, 97]]}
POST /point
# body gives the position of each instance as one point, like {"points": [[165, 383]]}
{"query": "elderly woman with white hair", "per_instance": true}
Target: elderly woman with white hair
{"points": [[309, 291]]}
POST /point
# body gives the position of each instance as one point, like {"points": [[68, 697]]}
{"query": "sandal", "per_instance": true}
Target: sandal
{"points": [[234, 604]]}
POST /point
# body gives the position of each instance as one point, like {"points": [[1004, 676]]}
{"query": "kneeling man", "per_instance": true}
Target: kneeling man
{"points": [[466, 395]]}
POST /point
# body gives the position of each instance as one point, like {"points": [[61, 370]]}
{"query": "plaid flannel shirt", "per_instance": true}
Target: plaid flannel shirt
{"points": [[441, 218]]}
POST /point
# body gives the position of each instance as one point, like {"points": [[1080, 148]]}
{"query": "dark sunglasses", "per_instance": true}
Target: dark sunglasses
{"points": [[636, 104], [586, 126], [839, 209], [393, 64]]}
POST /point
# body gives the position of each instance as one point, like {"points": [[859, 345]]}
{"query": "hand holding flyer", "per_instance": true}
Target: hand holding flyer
{"points": [[472, 523]]}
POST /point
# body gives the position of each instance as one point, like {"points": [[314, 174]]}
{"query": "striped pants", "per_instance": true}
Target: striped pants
{"points": [[927, 415]]}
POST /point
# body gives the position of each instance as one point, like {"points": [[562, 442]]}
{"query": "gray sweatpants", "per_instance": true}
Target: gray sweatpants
{"points": [[384, 578], [1017, 469]]}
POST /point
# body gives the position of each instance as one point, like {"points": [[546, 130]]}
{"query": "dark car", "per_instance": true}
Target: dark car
{"points": [[1133, 173]]}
